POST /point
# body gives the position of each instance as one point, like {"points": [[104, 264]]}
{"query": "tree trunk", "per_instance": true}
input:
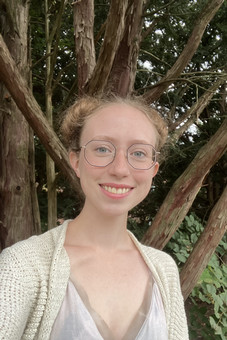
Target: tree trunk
{"points": [[203, 20], [205, 246], [18, 201], [123, 72], [25, 101], [113, 35], [83, 19], [50, 165], [184, 191]]}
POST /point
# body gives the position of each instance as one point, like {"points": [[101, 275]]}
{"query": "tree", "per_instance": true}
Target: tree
{"points": [[176, 77], [22, 95], [84, 41], [184, 191], [52, 40], [19, 213]]}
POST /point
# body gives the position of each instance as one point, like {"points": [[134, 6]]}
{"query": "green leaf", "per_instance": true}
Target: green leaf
{"points": [[206, 276], [194, 238], [211, 289], [181, 257], [212, 322]]}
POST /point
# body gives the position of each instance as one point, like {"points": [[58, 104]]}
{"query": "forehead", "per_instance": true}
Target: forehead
{"points": [[119, 121]]}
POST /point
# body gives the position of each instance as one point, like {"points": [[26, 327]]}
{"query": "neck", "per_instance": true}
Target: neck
{"points": [[101, 232]]}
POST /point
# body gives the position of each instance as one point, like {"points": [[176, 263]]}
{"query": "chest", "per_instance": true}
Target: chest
{"points": [[115, 284]]}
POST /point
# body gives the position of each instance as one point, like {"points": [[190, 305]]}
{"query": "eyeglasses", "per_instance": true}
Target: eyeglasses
{"points": [[100, 153]]}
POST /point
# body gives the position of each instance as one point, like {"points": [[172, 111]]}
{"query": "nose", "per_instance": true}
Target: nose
{"points": [[120, 166]]}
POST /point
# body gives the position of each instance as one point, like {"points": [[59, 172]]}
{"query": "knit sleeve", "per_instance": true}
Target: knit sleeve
{"points": [[15, 301], [178, 321]]}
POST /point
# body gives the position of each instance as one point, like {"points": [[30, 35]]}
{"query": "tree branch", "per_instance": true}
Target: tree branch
{"points": [[203, 20], [114, 31], [155, 57], [83, 20], [149, 29], [158, 9], [184, 191], [122, 75], [41, 59], [55, 32], [25, 101], [194, 112], [56, 81]]}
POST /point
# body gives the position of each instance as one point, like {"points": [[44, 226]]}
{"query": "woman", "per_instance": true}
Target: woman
{"points": [[90, 278]]}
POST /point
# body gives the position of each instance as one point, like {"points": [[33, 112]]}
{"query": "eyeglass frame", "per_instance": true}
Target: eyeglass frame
{"points": [[115, 148]]}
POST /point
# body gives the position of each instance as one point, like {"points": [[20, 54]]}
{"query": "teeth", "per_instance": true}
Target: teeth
{"points": [[118, 191]]}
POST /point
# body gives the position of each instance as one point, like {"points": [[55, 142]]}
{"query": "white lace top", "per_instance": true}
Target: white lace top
{"points": [[77, 320]]}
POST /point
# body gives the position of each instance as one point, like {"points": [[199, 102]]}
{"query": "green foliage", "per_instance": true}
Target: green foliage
{"points": [[182, 242], [211, 291], [208, 300]]}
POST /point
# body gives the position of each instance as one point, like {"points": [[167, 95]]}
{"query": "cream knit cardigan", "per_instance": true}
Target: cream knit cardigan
{"points": [[33, 279]]}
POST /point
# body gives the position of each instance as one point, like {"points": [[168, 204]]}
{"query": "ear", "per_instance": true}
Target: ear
{"points": [[155, 169], [74, 161]]}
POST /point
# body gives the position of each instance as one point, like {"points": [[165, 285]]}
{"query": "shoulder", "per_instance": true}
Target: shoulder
{"points": [[33, 251], [157, 260], [163, 263], [153, 254], [157, 256]]}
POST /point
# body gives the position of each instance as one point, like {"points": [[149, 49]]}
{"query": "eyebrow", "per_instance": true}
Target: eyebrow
{"points": [[113, 140]]}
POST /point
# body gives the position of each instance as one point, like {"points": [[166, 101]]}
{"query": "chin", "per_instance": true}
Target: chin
{"points": [[117, 210]]}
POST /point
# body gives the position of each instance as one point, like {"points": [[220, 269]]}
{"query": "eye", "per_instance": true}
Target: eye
{"points": [[138, 154], [103, 150]]}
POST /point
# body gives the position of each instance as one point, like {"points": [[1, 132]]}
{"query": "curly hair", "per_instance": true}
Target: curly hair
{"points": [[76, 115]]}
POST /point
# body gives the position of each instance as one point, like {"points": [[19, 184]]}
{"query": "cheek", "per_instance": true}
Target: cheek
{"points": [[150, 176], [145, 177], [84, 182], [148, 186], [88, 176], [144, 182]]}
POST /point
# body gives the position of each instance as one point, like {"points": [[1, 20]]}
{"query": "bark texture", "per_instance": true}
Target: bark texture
{"points": [[113, 35], [50, 166], [83, 19], [215, 229], [123, 72], [184, 191], [19, 217]]}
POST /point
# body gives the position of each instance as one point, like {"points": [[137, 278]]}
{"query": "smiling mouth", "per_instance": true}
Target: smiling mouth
{"points": [[118, 191]]}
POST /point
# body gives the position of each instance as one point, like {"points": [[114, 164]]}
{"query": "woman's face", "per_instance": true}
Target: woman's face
{"points": [[118, 187]]}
